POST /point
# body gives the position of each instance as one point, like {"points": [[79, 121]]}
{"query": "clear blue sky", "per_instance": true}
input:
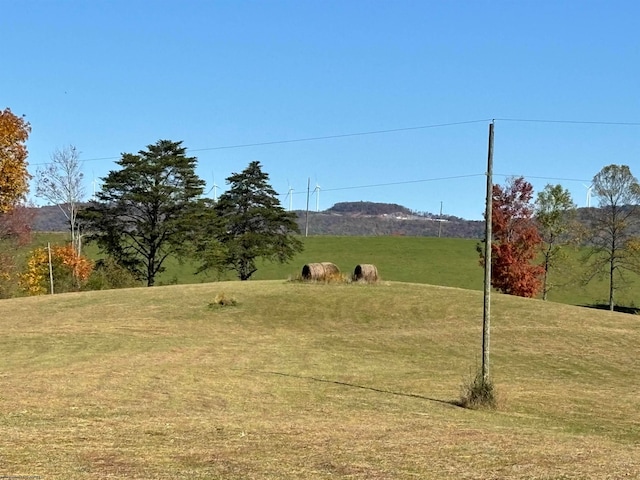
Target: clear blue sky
{"points": [[115, 76]]}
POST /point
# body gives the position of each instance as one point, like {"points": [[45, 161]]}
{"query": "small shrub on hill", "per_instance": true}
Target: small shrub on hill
{"points": [[223, 300], [478, 393], [107, 275]]}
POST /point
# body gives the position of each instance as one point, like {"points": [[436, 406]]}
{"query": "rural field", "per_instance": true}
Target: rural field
{"points": [[450, 262], [312, 380]]}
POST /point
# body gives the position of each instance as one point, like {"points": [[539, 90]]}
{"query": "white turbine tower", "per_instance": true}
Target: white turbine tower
{"points": [[589, 188], [316, 192], [290, 197], [94, 184], [214, 189]]}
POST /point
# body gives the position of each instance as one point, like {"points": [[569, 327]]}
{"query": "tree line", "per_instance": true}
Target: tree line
{"points": [[151, 208], [530, 235], [148, 209]]}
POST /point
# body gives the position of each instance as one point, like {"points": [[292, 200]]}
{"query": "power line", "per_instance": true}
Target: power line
{"points": [[306, 139], [542, 178], [438, 179], [344, 135], [404, 182], [576, 122], [82, 161], [379, 132]]}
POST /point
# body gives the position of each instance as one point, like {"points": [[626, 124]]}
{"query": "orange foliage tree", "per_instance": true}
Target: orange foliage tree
{"points": [[515, 241], [14, 177], [70, 270]]}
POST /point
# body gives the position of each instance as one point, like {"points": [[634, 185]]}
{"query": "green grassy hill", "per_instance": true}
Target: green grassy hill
{"points": [[451, 262], [312, 381]]}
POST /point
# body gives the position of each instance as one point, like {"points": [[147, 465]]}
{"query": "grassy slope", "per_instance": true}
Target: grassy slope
{"points": [[448, 262], [312, 381], [435, 261]]}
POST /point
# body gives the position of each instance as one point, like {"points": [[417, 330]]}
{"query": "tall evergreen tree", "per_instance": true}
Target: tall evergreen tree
{"points": [[145, 211], [250, 224]]}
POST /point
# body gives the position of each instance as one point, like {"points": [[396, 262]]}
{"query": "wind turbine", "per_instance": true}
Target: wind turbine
{"points": [[316, 192], [290, 197], [94, 182], [589, 188], [213, 188]]}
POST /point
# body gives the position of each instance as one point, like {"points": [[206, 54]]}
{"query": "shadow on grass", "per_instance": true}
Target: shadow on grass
{"points": [[617, 308], [455, 403]]}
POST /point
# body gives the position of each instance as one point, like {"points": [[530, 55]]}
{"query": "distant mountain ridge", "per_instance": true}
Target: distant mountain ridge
{"points": [[351, 219], [345, 218], [369, 208]]}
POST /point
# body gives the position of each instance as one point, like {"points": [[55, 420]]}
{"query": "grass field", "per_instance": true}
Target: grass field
{"points": [[313, 381], [435, 261]]}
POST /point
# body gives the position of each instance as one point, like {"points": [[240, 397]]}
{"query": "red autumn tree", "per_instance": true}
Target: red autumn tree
{"points": [[15, 231], [515, 240], [15, 225]]}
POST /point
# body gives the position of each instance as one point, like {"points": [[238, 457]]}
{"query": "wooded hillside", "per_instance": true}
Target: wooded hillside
{"points": [[348, 218]]}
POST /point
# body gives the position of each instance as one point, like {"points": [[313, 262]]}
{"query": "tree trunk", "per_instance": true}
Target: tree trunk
{"points": [[544, 278], [611, 285]]}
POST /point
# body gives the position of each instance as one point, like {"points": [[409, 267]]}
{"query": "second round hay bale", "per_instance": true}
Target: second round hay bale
{"points": [[365, 272], [319, 271]]}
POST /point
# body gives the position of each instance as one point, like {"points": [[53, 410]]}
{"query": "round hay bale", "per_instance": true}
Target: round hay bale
{"points": [[313, 271], [319, 271], [330, 269], [365, 273]]}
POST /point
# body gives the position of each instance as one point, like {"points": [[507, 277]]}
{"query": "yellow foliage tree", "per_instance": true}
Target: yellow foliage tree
{"points": [[14, 177], [70, 270], [33, 280]]}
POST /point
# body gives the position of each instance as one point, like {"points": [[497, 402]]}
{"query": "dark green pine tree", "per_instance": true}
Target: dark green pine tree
{"points": [[146, 211], [250, 224]]}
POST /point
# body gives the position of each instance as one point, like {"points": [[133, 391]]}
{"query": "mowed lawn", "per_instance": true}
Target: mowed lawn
{"points": [[314, 381], [451, 262]]}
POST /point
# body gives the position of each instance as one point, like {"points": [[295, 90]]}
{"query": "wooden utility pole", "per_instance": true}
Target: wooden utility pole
{"points": [[486, 317], [440, 221]]}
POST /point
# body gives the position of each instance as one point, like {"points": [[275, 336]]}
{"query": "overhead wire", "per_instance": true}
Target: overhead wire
{"points": [[308, 139], [379, 132], [395, 130], [576, 122]]}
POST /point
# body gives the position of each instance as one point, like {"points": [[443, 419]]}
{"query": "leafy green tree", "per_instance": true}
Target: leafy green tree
{"points": [[145, 211], [554, 214], [249, 224], [614, 246]]}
